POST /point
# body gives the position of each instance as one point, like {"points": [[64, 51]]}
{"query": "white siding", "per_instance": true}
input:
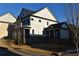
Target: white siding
{"points": [[45, 13], [3, 29], [39, 26], [8, 18], [4, 26]]}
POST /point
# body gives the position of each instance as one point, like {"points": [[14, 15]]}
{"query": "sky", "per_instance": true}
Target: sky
{"points": [[15, 8]]}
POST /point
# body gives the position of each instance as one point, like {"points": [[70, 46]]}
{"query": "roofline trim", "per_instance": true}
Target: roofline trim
{"points": [[50, 11], [39, 17], [8, 13], [6, 22], [44, 18]]}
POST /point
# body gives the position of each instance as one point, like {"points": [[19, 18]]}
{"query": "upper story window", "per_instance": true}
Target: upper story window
{"points": [[39, 20], [47, 23], [32, 19]]}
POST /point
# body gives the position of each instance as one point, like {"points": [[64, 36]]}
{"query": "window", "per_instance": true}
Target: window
{"points": [[39, 20], [32, 19], [56, 34], [47, 23], [32, 31], [64, 34]]}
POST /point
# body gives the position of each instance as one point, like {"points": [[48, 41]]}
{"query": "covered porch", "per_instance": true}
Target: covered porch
{"points": [[21, 34]]}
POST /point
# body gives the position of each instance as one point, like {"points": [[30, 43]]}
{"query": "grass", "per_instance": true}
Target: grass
{"points": [[29, 50], [37, 49], [24, 48]]}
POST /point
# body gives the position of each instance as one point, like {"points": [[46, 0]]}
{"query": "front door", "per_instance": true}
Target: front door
{"points": [[27, 33]]}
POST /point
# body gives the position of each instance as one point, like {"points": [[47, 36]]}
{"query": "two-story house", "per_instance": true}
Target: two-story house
{"points": [[33, 22]]}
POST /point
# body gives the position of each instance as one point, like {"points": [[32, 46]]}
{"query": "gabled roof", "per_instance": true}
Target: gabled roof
{"points": [[45, 13], [7, 18], [58, 25], [42, 13]]}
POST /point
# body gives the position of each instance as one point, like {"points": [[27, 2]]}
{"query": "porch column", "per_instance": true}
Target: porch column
{"points": [[24, 40], [54, 34], [49, 35]]}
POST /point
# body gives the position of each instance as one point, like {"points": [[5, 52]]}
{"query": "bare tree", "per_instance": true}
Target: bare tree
{"points": [[71, 12]]}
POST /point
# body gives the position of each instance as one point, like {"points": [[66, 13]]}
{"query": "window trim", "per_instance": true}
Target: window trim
{"points": [[39, 20], [32, 19]]}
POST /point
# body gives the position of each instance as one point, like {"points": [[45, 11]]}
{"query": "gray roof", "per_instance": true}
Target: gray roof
{"points": [[26, 12]]}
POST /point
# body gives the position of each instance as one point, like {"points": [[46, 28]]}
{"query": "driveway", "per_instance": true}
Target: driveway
{"points": [[6, 52]]}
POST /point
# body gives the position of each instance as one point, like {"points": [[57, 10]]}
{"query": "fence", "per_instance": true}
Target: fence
{"points": [[38, 39]]}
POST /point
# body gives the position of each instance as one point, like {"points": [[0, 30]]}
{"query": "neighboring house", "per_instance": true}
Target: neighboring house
{"points": [[6, 21], [33, 22], [58, 31]]}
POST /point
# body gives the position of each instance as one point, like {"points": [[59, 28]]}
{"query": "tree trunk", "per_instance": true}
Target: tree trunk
{"points": [[76, 36], [77, 46]]}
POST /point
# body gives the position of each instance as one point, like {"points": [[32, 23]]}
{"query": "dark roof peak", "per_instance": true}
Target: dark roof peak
{"points": [[26, 12], [24, 9]]}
